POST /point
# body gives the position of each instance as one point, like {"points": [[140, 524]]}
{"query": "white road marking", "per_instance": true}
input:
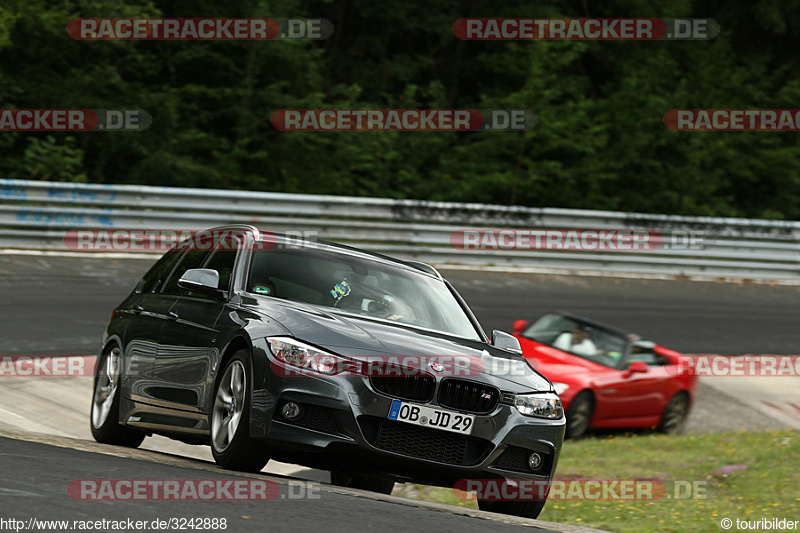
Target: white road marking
{"points": [[27, 404], [604, 274], [29, 425], [776, 397], [87, 255]]}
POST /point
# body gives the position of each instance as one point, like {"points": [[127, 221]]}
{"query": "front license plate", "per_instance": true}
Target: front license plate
{"points": [[429, 417]]}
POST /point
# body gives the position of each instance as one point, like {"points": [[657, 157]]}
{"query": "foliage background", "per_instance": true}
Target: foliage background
{"points": [[600, 142]]}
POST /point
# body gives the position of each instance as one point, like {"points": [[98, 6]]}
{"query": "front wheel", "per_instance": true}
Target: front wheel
{"points": [[523, 509], [673, 420], [357, 481], [231, 444], [105, 404], [579, 415]]}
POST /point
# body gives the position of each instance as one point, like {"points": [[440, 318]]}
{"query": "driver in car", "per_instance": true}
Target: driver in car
{"points": [[577, 341]]}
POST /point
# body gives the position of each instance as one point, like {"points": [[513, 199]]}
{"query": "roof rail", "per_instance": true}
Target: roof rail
{"points": [[425, 267], [247, 227]]}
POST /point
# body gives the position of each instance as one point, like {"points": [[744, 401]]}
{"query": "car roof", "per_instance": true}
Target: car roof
{"points": [[334, 247]]}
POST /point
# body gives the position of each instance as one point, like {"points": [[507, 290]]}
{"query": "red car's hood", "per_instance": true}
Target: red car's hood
{"points": [[548, 359]]}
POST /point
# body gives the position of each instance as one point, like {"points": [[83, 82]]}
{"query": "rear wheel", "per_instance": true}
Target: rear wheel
{"points": [[579, 415], [358, 481], [105, 404], [523, 509], [231, 444], [673, 420]]}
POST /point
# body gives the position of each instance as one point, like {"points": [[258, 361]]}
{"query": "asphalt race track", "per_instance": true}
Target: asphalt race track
{"points": [[34, 475], [55, 305], [687, 316]]}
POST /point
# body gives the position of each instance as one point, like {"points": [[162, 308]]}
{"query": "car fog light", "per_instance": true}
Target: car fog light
{"points": [[290, 411], [534, 461]]}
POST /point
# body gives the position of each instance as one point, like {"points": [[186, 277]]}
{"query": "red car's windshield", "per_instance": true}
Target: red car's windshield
{"points": [[578, 338]]}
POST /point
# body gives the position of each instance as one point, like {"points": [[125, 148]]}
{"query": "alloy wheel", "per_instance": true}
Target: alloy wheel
{"points": [[106, 388], [228, 406]]}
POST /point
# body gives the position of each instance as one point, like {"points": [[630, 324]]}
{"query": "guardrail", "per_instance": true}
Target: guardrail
{"points": [[37, 215]]}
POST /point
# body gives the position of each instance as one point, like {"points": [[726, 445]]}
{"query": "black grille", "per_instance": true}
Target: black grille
{"points": [[315, 417], [468, 396], [424, 443], [417, 388], [515, 459]]}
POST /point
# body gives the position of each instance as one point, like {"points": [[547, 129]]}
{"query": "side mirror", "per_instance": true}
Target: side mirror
{"points": [[506, 341], [203, 280], [638, 367], [519, 326]]}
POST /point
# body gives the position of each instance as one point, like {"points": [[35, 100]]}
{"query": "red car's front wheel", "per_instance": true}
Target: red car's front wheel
{"points": [[673, 420], [579, 415]]}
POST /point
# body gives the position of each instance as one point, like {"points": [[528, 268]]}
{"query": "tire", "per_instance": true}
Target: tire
{"points": [[673, 420], [357, 481], [523, 509], [579, 415], [231, 444], [104, 417]]}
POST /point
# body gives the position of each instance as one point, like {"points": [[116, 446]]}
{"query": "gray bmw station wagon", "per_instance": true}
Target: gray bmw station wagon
{"points": [[269, 347]]}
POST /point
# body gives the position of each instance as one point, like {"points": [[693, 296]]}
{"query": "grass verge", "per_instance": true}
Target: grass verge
{"points": [[747, 475]]}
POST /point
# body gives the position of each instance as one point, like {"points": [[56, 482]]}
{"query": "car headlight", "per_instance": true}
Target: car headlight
{"points": [[313, 360], [546, 405], [560, 388]]}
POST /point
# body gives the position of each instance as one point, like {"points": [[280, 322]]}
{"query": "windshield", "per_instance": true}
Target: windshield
{"points": [[578, 338], [358, 286]]}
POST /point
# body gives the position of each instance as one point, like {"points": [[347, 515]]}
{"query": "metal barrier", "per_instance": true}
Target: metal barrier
{"points": [[36, 215]]}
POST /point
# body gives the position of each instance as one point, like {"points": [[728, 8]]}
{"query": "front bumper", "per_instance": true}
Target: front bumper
{"points": [[345, 427]]}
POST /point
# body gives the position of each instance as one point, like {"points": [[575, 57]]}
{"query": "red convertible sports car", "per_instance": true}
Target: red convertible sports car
{"points": [[607, 378]]}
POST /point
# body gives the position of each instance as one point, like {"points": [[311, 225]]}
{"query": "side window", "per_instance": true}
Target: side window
{"points": [[649, 357], [191, 259], [157, 273], [222, 261]]}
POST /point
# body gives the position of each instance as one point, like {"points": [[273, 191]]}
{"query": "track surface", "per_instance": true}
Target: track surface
{"points": [[59, 306], [56, 305], [34, 476], [688, 316]]}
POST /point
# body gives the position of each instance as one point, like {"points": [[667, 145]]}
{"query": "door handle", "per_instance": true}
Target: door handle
{"points": [[138, 309], [173, 315]]}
